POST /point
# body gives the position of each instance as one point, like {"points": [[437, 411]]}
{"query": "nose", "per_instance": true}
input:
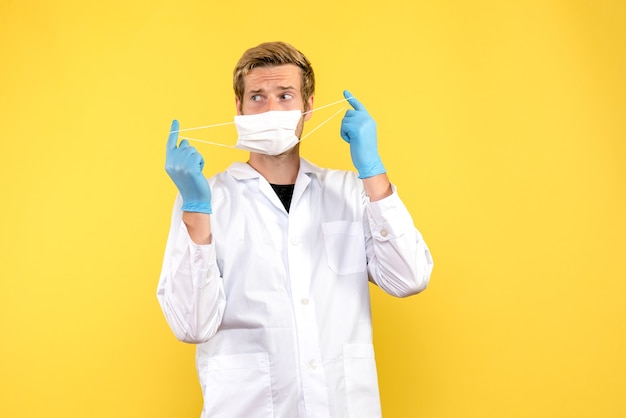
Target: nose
{"points": [[272, 103]]}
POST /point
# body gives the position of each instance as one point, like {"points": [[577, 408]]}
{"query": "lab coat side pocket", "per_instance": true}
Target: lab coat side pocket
{"points": [[238, 385], [362, 394], [345, 246]]}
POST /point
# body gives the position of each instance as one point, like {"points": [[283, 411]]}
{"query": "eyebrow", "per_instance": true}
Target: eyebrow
{"points": [[282, 88]]}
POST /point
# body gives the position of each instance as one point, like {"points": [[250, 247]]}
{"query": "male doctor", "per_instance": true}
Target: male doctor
{"points": [[267, 264]]}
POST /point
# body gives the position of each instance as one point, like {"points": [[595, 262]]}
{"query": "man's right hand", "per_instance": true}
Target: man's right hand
{"points": [[183, 163]]}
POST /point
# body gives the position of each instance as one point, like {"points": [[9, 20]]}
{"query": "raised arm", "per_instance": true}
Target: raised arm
{"points": [[399, 261], [190, 289]]}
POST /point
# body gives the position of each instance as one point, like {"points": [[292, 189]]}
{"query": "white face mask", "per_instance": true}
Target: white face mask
{"points": [[269, 133]]}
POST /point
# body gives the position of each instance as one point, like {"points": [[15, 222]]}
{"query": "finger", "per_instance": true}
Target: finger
{"points": [[353, 101], [193, 159], [350, 113], [345, 132], [201, 162], [173, 137], [183, 144]]}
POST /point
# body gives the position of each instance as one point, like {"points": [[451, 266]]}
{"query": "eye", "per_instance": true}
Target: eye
{"points": [[286, 96], [256, 98]]}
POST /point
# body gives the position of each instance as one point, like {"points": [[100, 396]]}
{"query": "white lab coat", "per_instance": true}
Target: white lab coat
{"points": [[279, 302]]}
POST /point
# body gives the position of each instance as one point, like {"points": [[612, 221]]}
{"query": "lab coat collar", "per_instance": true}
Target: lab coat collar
{"points": [[243, 171]]}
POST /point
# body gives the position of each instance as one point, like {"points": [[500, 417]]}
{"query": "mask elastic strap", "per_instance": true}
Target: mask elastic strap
{"points": [[206, 142], [320, 125], [205, 127], [328, 105]]}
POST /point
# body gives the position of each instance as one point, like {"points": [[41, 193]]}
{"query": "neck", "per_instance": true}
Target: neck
{"points": [[277, 169]]}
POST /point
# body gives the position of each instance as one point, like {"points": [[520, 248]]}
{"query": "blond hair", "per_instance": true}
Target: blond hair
{"points": [[270, 54]]}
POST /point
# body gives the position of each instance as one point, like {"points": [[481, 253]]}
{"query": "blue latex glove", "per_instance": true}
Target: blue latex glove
{"points": [[359, 130], [184, 166]]}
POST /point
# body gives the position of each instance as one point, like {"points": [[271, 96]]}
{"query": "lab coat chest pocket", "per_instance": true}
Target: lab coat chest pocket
{"points": [[345, 246], [238, 386], [361, 381]]}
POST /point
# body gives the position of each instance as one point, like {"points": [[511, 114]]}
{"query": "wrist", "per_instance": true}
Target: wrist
{"points": [[377, 187], [197, 207], [198, 227], [371, 169]]}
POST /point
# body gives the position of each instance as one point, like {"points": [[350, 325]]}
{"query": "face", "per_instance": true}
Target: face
{"points": [[273, 88]]}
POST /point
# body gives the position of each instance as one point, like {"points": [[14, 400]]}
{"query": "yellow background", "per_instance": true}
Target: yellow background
{"points": [[502, 124]]}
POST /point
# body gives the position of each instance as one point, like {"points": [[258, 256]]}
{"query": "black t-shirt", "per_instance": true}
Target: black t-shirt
{"points": [[284, 193]]}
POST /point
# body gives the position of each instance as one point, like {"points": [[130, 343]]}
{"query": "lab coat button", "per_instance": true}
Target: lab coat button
{"points": [[295, 241], [304, 301], [383, 232], [312, 365]]}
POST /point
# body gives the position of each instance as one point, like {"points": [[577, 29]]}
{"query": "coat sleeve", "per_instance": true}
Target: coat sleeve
{"points": [[399, 261], [190, 289]]}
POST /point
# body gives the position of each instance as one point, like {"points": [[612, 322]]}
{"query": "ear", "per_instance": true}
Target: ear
{"points": [[309, 108], [238, 105]]}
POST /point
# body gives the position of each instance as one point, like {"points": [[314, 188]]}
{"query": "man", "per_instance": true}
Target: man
{"points": [[266, 266]]}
